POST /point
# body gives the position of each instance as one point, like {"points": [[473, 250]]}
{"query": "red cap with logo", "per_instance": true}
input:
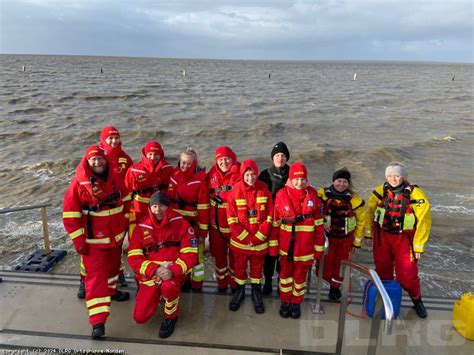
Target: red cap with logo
{"points": [[298, 170], [109, 131], [94, 151]]}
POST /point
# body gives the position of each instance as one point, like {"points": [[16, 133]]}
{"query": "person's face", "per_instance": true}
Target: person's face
{"points": [[249, 177], [154, 157], [113, 141], [279, 160], [97, 164], [341, 185], [158, 211], [185, 162], [394, 179], [224, 163], [299, 183]]}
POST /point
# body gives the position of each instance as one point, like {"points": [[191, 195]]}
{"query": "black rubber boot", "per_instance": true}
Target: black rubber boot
{"points": [[167, 327], [222, 289], [237, 298], [285, 309], [257, 298], [295, 310], [334, 294], [186, 285], [121, 296], [420, 308], [98, 330], [122, 282], [81, 292], [267, 288]]}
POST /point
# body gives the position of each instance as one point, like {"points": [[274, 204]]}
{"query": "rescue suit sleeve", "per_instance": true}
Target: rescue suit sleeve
{"points": [[203, 208], [265, 228], [188, 253], [372, 204], [136, 256], [358, 207], [73, 220], [422, 210], [237, 230], [318, 229]]}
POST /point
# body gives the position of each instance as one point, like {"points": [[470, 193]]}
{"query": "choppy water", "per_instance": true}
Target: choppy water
{"points": [[413, 112]]}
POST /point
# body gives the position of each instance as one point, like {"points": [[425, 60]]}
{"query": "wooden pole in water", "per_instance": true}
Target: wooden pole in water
{"points": [[45, 230]]}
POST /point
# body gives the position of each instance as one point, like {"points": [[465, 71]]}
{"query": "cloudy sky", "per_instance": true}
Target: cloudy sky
{"points": [[426, 30]]}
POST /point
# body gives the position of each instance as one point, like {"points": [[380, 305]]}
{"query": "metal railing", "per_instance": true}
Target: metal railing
{"points": [[44, 220], [384, 300], [317, 307]]}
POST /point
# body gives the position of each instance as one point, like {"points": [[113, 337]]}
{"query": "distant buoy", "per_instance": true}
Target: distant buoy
{"points": [[269, 75], [23, 68], [354, 77], [452, 79], [184, 73], [101, 71]]}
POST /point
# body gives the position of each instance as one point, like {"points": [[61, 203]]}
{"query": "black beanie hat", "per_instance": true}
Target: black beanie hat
{"points": [[159, 198], [281, 147], [342, 174]]}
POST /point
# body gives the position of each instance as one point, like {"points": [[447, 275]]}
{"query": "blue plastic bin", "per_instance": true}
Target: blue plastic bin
{"points": [[394, 291]]}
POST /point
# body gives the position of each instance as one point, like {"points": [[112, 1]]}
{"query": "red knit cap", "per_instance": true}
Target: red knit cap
{"points": [[225, 151], [298, 170], [154, 147], [109, 131], [94, 151]]}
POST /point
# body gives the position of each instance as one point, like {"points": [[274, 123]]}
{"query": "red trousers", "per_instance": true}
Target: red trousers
{"points": [[240, 267], [102, 269], [339, 249], [223, 259], [293, 280], [393, 250], [149, 297]]}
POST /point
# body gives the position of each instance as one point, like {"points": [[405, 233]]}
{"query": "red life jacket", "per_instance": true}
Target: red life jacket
{"points": [[339, 214]]}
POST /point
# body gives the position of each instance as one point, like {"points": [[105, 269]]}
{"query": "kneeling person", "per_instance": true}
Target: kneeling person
{"points": [[163, 248]]}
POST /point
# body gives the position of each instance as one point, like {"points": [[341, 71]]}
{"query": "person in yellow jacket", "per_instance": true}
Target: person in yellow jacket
{"points": [[399, 221], [344, 214]]}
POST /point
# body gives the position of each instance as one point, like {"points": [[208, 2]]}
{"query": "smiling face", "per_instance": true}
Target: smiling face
{"points": [[249, 177], [185, 162], [224, 163], [154, 157], [97, 164], [394, 179], [158, 211], [341, 184], [113, 141], [299, 183]]}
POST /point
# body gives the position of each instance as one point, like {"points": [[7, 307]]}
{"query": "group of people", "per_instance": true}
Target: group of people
{"points": [[255, 222]]}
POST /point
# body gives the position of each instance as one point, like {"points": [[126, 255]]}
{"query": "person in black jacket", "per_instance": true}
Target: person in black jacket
{"points": [[275, 177]]}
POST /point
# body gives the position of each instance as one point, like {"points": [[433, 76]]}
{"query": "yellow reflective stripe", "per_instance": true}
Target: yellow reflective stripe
{"points": [[186, 213], [319, 247], [297, 294], [300, 285], [112, 279], [127, 198], [144, 266], [122, 160], [253, 220], [98, 241], [303, 258], [241, 202], [248, 247], [261, 236], [318, 222], [231, 220], [283, 252], [182, 264], [287, 228], [72, 214], [240, 281], [269, 219], [214, 204], [119, 237], [189, 250], [276, 224], [135, 252], [148, 283], [286, 289], [77, 233], [203, 226], [169, 304], [172, 310], [242, 235], [286, 281], [262, 199], [255, 281], [141, 199], [223, 230], [97, 310], [95, 301], [273, 243], [105, 213], [203, 206]]}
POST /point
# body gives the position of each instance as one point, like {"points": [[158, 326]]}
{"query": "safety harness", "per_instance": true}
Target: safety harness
{"points": [[293, 222], [158, 246]]}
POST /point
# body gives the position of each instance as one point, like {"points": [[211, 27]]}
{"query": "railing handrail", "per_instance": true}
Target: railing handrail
{"points": [[24, 208], [346, 266]]}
